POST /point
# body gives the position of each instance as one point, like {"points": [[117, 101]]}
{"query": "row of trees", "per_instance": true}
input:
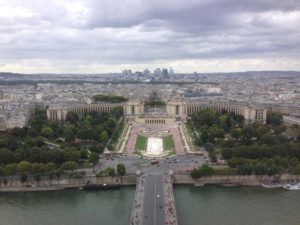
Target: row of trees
{"points": [[265, 166], [110, 98], [206, 170], [50, 171], [38, 170], [242, 166], [263, 151]]}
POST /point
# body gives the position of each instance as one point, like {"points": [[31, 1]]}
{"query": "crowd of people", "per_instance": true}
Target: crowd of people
{"points": [[170, 210], [137, 212]]}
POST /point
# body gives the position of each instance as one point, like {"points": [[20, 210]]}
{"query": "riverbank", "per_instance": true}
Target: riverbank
{"points": [[65, 183], [131, 180], [251, 180]]}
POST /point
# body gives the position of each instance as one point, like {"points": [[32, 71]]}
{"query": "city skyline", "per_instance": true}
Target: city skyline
{"points": [[99, 36]]}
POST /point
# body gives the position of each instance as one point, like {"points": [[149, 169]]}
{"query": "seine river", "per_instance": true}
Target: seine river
{"points": [[195, 206]]}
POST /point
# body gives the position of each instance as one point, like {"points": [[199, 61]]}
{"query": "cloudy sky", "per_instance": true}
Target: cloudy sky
{"points": [[95, 36]]}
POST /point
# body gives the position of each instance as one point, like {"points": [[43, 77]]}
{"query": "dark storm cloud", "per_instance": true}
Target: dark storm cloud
{"points": [[141, 31]]}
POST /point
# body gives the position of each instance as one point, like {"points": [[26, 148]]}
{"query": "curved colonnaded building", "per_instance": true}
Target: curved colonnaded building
{"points": [[176, 110]]}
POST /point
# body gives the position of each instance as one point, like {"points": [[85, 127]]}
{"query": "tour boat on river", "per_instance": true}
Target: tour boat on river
{"points": [[292, 187]]}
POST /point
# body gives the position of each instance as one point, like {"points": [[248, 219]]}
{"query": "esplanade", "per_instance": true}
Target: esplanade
{"points": [[175, 110]]}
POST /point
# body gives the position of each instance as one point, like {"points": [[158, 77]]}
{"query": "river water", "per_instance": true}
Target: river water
{"points": [[208, 205]]}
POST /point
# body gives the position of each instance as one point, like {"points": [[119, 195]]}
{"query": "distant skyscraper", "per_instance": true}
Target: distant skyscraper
{"points": [[126, 72], [157, 72], [171, 72], [146, 72], [165, 74]]}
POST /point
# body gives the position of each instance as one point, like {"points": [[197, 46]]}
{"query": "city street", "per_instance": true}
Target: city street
{"points": [[178, 164], [153, 212]]}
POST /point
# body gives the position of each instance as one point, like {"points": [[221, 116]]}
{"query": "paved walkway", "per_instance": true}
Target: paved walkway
{"points": [[137, 209], [170, 209], [179, 148], [132, 140]]}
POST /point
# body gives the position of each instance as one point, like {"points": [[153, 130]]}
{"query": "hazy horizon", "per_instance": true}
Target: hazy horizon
{"points": [[120, 72]]}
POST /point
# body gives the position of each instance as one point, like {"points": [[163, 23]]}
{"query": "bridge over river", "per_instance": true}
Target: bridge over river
{"points": [[154, 202]]}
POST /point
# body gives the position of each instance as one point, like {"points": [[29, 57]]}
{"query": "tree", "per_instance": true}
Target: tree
{"points": [[39, 119], [280, 129], [204, 134], [33, 132], [69, 165], [83, 154], [23, 166], [213, 156], [87, 133], [206, 117], [99, 148], [268, 139], [72, 117], [260, 131], [121, 169], [50, 167], [248, 132], [58, 174], [195, 173], [39, 142], [274, 118], [296, 169], [71, 154], [68, 134], [47, 132], [18, 132], [111, 171], [11, 143], [260, 169], [223, 121], [204, 170], [236, 133], [9, 169], [37, 168], [112, 122], [51, 175], [246, 169], [6, 156], [94, 158], [103, 136]]}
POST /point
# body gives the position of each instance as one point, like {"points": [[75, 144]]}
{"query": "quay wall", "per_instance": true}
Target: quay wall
{"points": [[251, 180], [14, 185]]}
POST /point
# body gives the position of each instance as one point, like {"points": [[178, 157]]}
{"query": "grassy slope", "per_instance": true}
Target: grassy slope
{"points": [[168, 143], [140, 143]]}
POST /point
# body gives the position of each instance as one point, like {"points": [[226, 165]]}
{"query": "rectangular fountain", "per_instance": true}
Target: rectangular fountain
{"points": [[154, 146]]}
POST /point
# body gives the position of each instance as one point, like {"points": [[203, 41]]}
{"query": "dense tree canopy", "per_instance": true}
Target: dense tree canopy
{"points": [[274, 118], [110, 98], [252, 148], [51, 145]]}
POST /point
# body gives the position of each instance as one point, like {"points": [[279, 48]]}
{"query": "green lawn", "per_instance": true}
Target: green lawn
{"points": [[140, 142], [169, 143]]}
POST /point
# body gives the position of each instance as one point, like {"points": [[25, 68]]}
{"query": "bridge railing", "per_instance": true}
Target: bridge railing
{"points": [[170, 208], [137, 208]]}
